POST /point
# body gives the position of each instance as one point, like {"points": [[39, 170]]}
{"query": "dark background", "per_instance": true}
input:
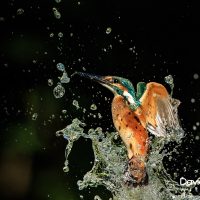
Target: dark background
{"points": [[148, 41]]}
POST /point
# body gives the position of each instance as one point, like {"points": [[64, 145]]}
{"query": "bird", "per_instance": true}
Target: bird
{"points": [[135, 114]]}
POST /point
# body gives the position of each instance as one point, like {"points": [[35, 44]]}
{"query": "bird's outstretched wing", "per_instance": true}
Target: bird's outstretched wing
{"points": [[159, 109]]}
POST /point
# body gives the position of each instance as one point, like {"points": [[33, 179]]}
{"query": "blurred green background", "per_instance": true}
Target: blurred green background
{"points": [[147, 42]]}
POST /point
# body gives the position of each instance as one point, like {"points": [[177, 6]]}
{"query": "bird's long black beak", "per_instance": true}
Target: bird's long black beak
{"points": [[99, 79]]}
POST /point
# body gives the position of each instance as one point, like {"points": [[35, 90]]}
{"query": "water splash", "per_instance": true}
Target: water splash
{"points": [[110, 160]]}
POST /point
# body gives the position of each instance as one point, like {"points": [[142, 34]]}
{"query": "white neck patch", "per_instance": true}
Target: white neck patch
{"points": [[129, 97]]}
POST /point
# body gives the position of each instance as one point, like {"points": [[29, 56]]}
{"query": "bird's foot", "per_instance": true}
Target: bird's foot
{"points": [[130, 181], [135, 175]]}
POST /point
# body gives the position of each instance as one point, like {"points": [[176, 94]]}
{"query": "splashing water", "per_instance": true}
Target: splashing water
{"points": [[110, 160], [169, 80]]}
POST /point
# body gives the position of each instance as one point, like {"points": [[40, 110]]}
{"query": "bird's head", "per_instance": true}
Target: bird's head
{"points": [[117, 85]]}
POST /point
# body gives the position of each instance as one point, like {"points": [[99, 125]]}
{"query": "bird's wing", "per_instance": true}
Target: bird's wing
{"points": [[159, 108]]}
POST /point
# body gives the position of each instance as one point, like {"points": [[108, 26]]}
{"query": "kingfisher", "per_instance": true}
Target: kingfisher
{"points": [[135, 114]]}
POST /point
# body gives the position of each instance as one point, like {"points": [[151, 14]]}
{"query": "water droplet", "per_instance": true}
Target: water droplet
{"points": [[34, 61], [93, 107], [81, 197], [84, 110], [192, 100], [76, 104], [175, 175], [132, 49], [97, 198], [2, 19], [59, 91], [197, 123], [34, 116], [51, 35], [20, 11], [50, 82], [56, 13], [64, 111], [60, 67], [108, 30], [65, 78], [66, 169], [194, 128], [57, 1], [60, 34], [99, 115], [196, 76], [197, 137]]}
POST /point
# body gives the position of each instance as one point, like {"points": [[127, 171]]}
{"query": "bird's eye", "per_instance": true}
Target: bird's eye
{"points": [[115, 81]]}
